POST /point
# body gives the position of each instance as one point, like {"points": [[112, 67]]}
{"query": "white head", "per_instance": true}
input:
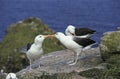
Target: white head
{"points": [[59, 35], [40, 38], [11, 76], [70, 30]]}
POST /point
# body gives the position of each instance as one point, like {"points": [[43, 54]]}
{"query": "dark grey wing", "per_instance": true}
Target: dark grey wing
{"points": [[84, 41], [25, 48], [83, 31], [29, 45]]}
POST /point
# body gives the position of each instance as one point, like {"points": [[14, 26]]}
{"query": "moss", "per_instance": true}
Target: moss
{"points": [[17, 36], [110, 52], [93, 73], [112, 41], [48, 77], [110, 45], [43, 76], [114, 66], [112, 73]]}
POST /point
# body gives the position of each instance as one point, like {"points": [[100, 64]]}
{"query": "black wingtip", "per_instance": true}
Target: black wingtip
{"points": [[29, 45]]}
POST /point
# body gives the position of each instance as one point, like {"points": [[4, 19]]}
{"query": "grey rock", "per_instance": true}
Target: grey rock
{"points": [[56, 63]]}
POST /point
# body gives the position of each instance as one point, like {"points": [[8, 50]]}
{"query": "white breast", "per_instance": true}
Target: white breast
{"points": [[34, 52]]}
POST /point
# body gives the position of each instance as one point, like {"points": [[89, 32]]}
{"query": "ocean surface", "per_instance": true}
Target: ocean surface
{"points": [[100, 15]]}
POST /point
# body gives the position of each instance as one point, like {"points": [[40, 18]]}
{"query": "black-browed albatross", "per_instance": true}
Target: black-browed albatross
{"points": [[35, 50], [79, 32], [77, 45], [11, 76]]}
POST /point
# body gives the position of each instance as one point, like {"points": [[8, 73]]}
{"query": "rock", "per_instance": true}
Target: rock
{"points": [[54, 65], [110, 44], [118, 28]]}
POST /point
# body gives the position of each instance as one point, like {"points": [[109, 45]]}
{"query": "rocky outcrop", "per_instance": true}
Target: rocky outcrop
{"points": [[110, 53], [110, 44], [54, 65]]}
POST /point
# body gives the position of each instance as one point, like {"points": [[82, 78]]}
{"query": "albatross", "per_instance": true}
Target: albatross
{"points": [[79, 32], [11, 76], [77, 45], [35, 50]]}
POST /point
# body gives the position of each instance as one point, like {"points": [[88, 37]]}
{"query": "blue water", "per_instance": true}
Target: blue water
{"points": [[100, 15]]}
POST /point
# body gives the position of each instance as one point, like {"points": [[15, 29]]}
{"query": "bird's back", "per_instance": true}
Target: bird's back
{"points": [[83, 31], [68, 42], [29, 45], [84, 41]]}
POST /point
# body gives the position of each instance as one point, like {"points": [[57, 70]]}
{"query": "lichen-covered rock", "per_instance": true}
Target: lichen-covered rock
{"points": [[17, 36], [110, 44]]}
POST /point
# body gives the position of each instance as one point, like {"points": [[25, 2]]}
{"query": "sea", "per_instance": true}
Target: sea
{"points": [[100, 15]]}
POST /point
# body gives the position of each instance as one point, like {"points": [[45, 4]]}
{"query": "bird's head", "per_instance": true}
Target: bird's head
{"points": [[11, 76], [70, 30], [40, 38]]}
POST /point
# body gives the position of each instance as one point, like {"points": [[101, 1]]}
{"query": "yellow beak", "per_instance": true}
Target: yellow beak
{"points": [[74, 34], [51, 36], [46, 36]]}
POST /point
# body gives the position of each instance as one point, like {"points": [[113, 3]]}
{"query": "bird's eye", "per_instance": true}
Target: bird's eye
{"points": [[40, 36]]}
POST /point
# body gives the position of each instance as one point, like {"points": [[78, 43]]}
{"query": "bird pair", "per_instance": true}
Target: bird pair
{"points": [[75, 43]]}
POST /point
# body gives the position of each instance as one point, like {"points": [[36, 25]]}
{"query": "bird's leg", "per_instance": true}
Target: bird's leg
{"points": [[72, 61], [81, 52], [30, 64], [75, 59], [69, 62], [39, 66], [76, 55]]}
